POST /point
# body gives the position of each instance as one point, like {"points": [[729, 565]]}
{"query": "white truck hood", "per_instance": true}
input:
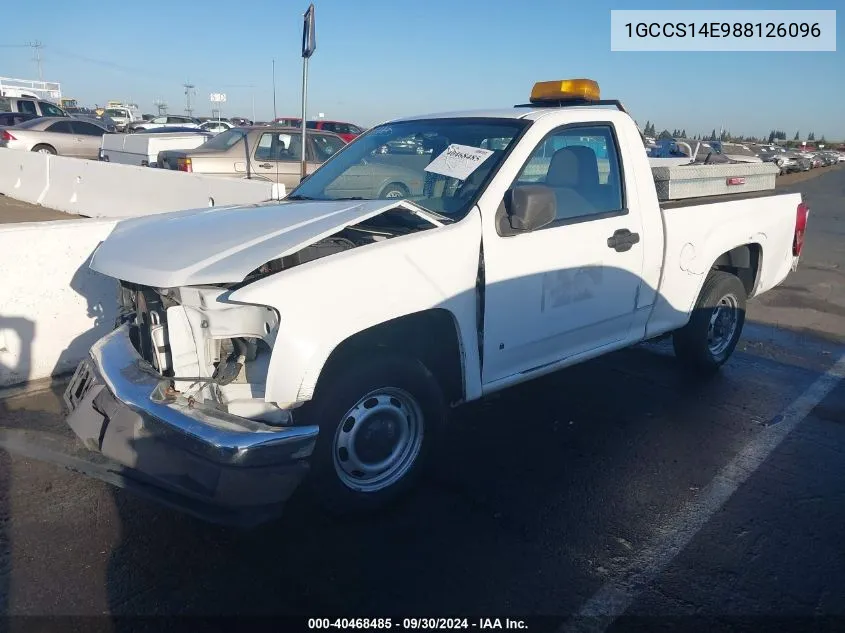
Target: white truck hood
{"points": [[221, 244]]}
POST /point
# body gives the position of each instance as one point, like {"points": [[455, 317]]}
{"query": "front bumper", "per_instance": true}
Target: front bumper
{"points": [[208, 456]]}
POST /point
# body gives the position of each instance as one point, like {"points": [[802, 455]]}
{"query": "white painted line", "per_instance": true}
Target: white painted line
{"points": [[617, 595]]}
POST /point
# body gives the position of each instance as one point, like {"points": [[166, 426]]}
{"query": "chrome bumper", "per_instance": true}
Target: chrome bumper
{"points": [[116, 408]]}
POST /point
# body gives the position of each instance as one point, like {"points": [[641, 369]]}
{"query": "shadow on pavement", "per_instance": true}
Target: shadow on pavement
{"points": [[24, 331], [5, 536]]}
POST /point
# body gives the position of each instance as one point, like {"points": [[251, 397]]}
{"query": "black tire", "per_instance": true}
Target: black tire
{"points": [[41, 147], [692, 343], [332, 410], [397, 188]]}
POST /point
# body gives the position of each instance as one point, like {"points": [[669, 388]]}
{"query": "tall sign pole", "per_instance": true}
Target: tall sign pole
{"points": [[309, 45]]}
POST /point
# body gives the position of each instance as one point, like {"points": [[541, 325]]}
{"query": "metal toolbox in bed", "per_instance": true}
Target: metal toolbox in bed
{"points": [[696, 180]]}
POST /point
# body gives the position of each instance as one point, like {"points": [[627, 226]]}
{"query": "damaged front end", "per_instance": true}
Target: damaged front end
{"points": [[208, 352], [174, 397], [213, 352], [176, 394]]}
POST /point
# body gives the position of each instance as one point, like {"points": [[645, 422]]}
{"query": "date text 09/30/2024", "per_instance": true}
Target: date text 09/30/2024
{"points": [[416, 624]]}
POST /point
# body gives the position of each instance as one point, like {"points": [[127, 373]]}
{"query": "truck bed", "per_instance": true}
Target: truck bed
{"points": [[762, 221], [725, 197]]}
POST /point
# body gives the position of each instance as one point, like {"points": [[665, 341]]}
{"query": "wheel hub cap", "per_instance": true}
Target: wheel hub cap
{"points": [[378, 440], [723, 325]]}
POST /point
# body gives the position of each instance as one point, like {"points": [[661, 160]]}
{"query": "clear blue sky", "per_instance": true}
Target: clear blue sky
{"points": [[378, 59]]}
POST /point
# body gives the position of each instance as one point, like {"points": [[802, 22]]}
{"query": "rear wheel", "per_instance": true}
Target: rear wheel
{"points": [[45, 149], [707, 341], [378, 420]]}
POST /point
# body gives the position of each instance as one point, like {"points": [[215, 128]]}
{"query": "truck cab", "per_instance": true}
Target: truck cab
{"points": [[30, 105], [328, 336]]}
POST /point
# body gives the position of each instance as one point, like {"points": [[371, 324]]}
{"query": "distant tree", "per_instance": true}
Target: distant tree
{"points": [[665, 134], [684, 133], [811, 137], [646, 128], [822, 139], [797, 136]]}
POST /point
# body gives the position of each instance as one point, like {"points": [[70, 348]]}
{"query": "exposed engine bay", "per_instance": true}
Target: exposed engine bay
{"points": [[382, 227]]}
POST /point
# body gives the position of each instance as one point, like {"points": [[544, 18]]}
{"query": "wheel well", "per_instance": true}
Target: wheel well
{"points": [[430, 336], [47, 145], [398, 183], [744, 262]]}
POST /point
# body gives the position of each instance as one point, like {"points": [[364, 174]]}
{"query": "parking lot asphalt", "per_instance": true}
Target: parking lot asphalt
{"points": [[619, 479], [12, 210]]}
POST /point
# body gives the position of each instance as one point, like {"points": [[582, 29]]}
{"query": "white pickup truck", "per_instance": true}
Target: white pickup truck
{"points": [[143, 148], [330, 334]]}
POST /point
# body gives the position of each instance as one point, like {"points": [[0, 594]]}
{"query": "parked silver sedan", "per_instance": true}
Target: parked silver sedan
{"points": [[55, 135]]}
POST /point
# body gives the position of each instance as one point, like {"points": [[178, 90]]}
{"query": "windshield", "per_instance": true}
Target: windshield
{"points": [[116, 113], [31, 123], [224, 140], [439, 164]]}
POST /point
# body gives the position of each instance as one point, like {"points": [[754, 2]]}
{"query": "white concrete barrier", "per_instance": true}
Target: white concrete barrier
{"points": [[106, 190], [24, 175], [52, 306]]}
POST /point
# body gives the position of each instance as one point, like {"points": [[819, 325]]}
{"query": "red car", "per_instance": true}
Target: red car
{"points": [[346, 131]]}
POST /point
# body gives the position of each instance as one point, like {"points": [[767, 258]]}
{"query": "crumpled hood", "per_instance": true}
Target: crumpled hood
{"points": [[221, 244]]}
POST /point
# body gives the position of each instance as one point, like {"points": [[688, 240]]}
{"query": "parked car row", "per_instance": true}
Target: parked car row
{"points": [[346, 131], [790, 162]]}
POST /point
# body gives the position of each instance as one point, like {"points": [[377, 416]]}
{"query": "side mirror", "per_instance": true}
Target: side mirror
{"points": [[530, 207]]}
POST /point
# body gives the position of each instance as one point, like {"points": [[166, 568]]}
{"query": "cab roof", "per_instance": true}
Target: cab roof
{"points": [[529, 112]]}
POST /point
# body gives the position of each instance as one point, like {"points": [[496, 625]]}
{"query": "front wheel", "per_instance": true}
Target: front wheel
{"points": [[707, 341], [44, 149], [378, 419]]}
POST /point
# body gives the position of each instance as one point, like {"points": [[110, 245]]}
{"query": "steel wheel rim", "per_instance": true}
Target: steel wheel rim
{"points": [[378, 440], [723, 325], [44, 151], [394, 193]]}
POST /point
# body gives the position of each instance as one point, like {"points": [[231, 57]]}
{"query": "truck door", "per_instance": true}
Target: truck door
{"points": [[89, 138], [571, 287]]}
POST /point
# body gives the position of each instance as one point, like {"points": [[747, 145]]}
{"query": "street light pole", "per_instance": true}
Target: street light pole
{"points": [[309, 45], [274, 90]]}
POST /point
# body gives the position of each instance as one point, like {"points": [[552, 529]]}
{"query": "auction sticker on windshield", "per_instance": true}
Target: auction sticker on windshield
{"points": [[458, 161]]}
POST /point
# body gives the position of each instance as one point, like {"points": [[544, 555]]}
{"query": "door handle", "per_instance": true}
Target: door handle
{"points": [[265, 165], [622, 240]]}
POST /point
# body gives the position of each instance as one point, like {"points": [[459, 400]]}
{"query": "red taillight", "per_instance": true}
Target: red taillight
{"points": [[184, 164], [800, 228], [5, 136]]}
